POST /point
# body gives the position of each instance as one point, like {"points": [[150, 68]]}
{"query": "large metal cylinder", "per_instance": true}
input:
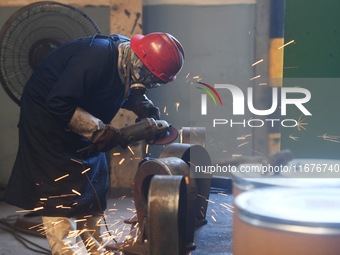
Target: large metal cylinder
{"points": [[167, 215], [196, 157], [163, 166]]}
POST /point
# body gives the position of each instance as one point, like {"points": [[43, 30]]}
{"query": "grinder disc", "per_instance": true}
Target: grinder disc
{"points": [[170, 136]]}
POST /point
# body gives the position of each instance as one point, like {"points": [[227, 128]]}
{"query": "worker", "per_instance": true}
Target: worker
{"points": [[68, 104]]}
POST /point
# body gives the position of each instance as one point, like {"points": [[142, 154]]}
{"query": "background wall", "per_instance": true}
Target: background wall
{"points": [[312, 62], [219, 48]]}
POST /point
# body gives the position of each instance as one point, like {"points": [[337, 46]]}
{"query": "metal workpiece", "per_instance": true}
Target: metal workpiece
{"points": [[164, 166], [192, 135], [194, 155], [167, 209]]}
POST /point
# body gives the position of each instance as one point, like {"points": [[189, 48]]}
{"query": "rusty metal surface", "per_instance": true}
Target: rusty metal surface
{"points": [[192, 135], [164, 166], [167, 215], [194, 155]]}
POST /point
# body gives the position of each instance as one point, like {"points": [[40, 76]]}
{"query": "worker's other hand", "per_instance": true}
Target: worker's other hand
{"points": [[142, 107], [109, 138]]}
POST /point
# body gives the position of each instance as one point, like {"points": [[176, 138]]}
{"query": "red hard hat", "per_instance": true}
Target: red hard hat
{"points": [[161, 53]]}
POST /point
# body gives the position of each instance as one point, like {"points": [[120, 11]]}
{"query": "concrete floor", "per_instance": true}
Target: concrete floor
{"points": [[214, 238]]}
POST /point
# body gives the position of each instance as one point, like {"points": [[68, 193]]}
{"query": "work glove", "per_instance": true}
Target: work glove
{"points": [[142, 107], [108, 138]]}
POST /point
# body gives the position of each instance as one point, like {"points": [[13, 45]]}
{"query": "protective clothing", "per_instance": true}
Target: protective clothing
{"points": [[48, 167], [64, 236], [161, 53], [142, 107], [103, 136]]}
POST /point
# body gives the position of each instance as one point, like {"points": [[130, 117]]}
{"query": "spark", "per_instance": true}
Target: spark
{"points": [[116, 154], [294, 138], [80, 220], [63, 207], [177, 106], [228, 207], [256, 77], [242, 144], [222, 194], [243, 137], [210, 201], [213, 218], [64, 195], [236, 155], [36, 226], [187, 76], [214, 211], [62, 177], [196, 77], [121, 161], [164, 110], [330, 138], [76, 192], [191, 163], [257, 62], [187, 180], [286, 44], [147, 149], [131, 150], [86, 170], [43, 199], [263, 84], [77, 161], [24, 211], [300, 124]]}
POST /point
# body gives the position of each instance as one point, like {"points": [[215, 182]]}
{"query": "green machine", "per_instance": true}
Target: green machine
{"points": [[312, 61]]}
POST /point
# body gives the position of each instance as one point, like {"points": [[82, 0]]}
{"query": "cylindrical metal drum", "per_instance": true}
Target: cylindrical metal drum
{"points": [[192, 135], [167, 211], [195, 156], [302, 173], [284, 221], [164, 166]]}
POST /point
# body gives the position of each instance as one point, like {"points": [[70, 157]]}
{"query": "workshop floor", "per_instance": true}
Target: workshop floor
{"points": [[214, 238]]}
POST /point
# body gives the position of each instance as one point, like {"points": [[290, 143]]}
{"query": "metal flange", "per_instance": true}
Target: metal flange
{"points": [[167, 209], [196, 157], [192, 135], [164, 166]]}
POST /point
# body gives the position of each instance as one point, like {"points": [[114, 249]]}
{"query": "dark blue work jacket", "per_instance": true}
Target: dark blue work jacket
{"points": [[49, 175]]}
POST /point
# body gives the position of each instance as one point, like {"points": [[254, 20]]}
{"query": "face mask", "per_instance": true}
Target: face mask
{"points": [[137, 78]]}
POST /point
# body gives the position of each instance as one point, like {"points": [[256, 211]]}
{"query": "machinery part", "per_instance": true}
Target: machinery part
{"points": [[164, 166], [147, 128], [161, 53], [167, 215], [192, 135], [194, 155], [170, 136], [31, 33]]}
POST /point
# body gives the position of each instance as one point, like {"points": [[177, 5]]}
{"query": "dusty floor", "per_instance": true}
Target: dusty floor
{"points": [[214, 238]]}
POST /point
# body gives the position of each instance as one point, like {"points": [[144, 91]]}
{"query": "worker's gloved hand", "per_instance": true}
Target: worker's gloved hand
{"points": [[142, 107], [108, 138]]}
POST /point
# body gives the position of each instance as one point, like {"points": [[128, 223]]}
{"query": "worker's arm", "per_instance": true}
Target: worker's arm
{"points": [[103, 137]]}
